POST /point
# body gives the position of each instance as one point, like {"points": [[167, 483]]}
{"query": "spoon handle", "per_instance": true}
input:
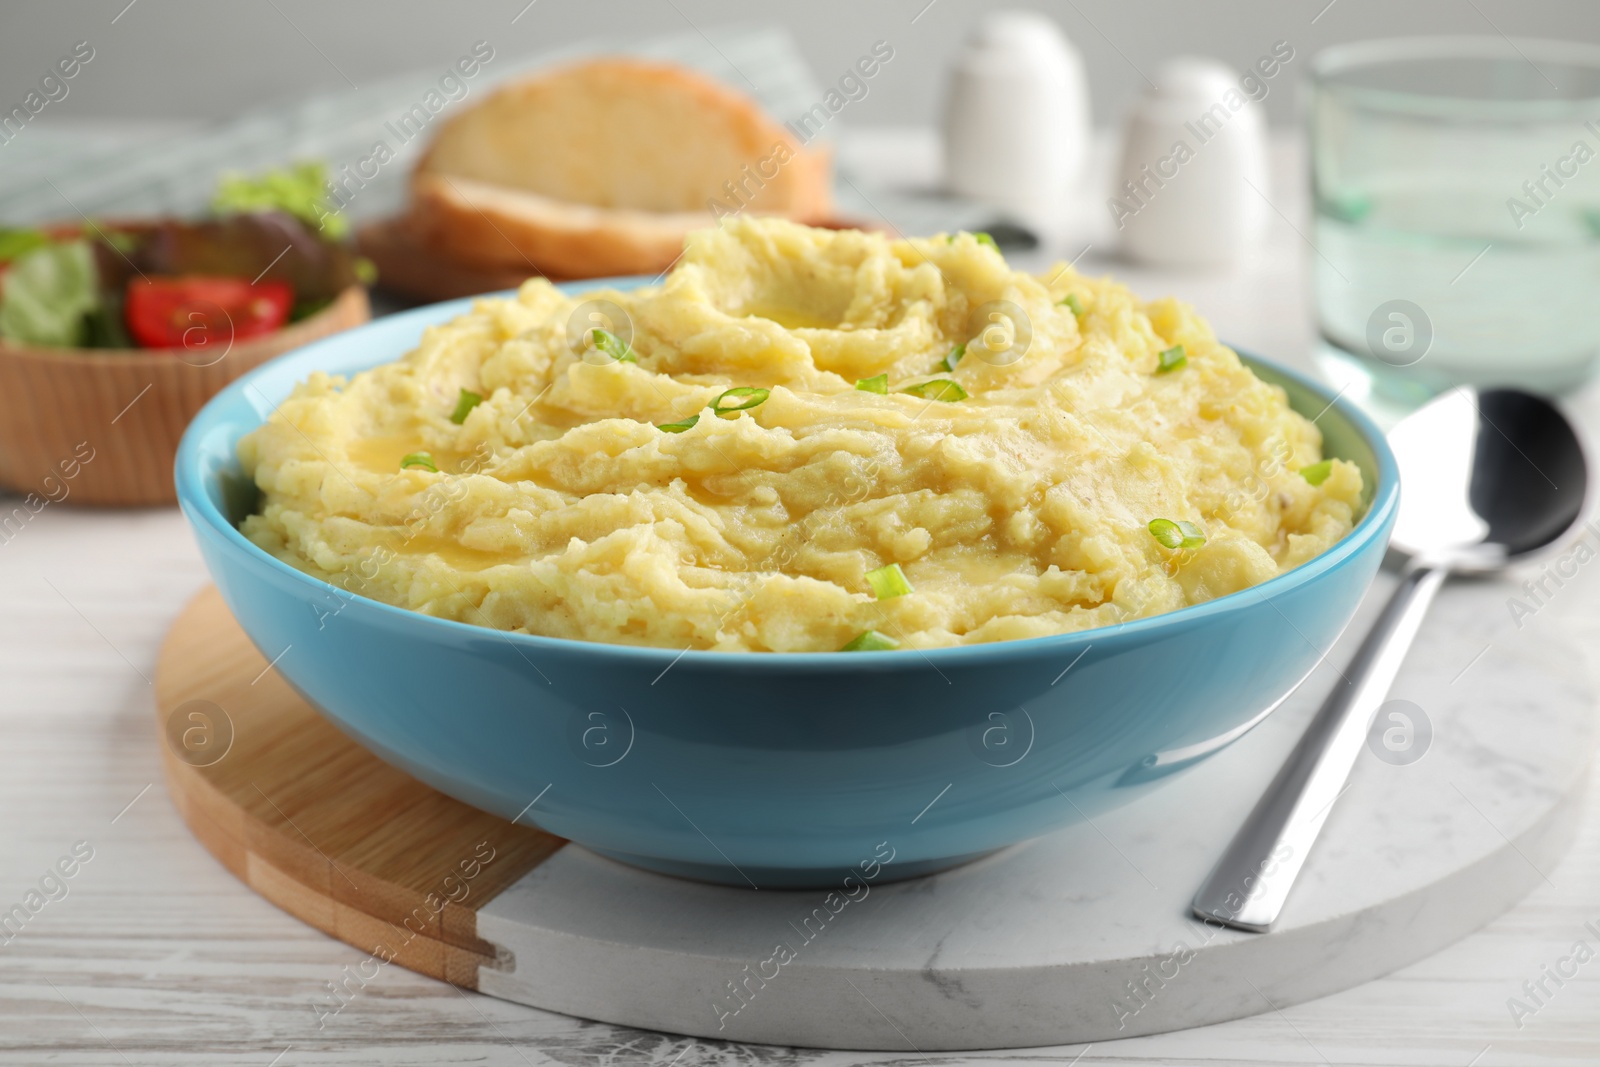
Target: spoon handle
{"points": [[1250, 883]]}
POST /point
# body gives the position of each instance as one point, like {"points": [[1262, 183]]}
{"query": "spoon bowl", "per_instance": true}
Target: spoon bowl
{"points": [[1488, 478]]}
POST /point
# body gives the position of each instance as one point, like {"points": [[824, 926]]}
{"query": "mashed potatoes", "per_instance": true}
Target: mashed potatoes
{"points": [[1014, 494]]}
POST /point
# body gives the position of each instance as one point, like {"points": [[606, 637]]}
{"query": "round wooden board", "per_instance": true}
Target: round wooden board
{"points": [[1083, 935]]}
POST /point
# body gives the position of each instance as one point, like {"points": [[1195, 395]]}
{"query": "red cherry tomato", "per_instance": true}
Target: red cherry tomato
{"points": [[198, 313]]}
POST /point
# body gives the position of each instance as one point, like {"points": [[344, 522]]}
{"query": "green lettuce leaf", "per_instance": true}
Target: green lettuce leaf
{"points": [[47, 295], [300, 190]]}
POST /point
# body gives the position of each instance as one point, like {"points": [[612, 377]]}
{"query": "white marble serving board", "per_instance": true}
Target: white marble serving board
{"points": [[1086, 934]]}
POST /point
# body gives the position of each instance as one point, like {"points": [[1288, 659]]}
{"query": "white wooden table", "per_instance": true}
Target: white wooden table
{"points": [[158, 956]]}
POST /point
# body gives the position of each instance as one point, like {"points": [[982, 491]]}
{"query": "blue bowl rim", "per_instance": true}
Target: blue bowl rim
{"points": [[197, 505]]}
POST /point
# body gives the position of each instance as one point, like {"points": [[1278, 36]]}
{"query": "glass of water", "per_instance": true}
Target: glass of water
{"points": [[1456, 188]]}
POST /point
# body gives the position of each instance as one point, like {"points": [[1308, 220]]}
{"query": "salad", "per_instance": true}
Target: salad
{"points": [[268, 255]]}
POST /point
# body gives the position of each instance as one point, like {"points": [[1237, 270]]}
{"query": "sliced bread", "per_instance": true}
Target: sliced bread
{"points": [[603, 167]]}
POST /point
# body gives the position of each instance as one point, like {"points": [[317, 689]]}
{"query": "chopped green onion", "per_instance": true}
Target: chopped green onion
{"points": [[878, 383], [1317, 473], [953, 356], [889, 582], [1172, 359], [419, 459], [612, 345], [1072, 301], [1178, 534], [465, 402], [870, 641], [679, 426], [938, 389], [981, 237], [750, 395]]}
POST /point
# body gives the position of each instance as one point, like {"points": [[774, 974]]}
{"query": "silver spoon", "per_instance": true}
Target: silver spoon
{"points": [[1487, 478]]}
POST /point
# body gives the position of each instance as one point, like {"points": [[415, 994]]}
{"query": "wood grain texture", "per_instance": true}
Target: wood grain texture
{"points": [[316, 823], [126, 410]]}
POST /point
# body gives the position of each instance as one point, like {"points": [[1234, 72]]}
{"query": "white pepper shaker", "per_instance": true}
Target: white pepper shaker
{"points": [[1191, 188], [1016, 119]]}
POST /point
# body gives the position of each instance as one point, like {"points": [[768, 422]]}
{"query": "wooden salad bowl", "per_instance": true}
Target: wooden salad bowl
{"points": [[101, 426]]}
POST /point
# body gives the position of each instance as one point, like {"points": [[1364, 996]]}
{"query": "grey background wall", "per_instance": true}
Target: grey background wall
{"points": [[199, 59]]}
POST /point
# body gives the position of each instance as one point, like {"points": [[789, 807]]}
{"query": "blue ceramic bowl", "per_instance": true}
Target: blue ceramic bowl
{"points": [[776, 769]]}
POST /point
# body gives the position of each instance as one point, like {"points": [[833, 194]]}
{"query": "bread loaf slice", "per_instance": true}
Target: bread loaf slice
{"points": [[603, 167]]}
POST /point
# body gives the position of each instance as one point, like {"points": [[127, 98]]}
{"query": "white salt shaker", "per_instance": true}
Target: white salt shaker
{"points": [[1016, 120], [1193, 147]]}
